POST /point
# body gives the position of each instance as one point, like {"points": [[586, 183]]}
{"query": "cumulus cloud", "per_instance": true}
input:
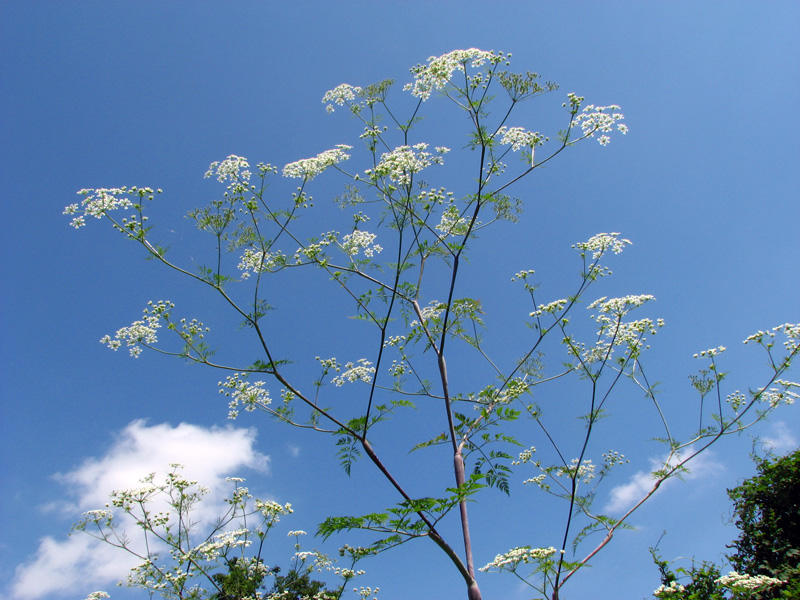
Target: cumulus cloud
{"points": [[781, 440], [624, 497], [61, 567], [294, 450]]}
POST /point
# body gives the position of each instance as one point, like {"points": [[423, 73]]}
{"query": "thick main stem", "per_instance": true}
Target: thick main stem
{"points": [[466, 573], [473, 591]]}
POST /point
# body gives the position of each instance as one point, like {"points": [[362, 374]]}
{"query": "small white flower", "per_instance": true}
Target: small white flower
{"points": [[340, 95], [600, 243], [436, 74], [259, 261], [552, 308], [601, 119], [516, 556], [233, 169], [242, 393], [667, 591], [711, 352], [99, 202], [519, 138], [358, 241], [363, 371], [296, 533], [738, 582], [432, 311], [400, 164], [308, 168], [140, 332], [452, 223]]}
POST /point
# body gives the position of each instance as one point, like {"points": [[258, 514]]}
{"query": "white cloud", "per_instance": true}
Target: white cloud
{"points": [[81, 564], [782, 441], [624, 497]]}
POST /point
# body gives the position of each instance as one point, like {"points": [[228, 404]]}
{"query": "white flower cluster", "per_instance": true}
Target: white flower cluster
{"points": [[296, 533], [791, 330], [313, 554], [538, 480], [372, 132], [613, 331], [308, 168], [776, 396], [365, 592], [667, 591], [239, 496], [738, 582], [452, 223], [340, 95], [398, 369], [400, 164], [551, 307], [519, 138], [583, 472], [516, 556], [525, 456], [243, 393], [259, 261], [432, 311], [711, 352], [344, 572], [523, 274], [329, 363], [224, 541], [620, 306], [612, 457], [233, 169], [736, 399], [600, 118], [140, 332], [363, 371], [394, 340], [126, 498], [98, 202], [272, 510], [433, 196], [600, 243], [514, 389], [312, 250], [355, 242], [97, 596], [436, 74], [99, 515]]}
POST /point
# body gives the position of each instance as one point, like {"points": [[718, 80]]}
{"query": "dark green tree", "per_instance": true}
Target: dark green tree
{"points": [[299, 586], [767, 509], [767, 514], [241, 581]]}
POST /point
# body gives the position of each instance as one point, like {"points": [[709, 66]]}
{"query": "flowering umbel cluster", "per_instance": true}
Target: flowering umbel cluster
{"points": [[392, 270], [186, 558], [738, 583], [437, 73], [243, 394], [142, 332], [308, 168], [403, 162], [596, 119], [98, 203], [519, 556]]}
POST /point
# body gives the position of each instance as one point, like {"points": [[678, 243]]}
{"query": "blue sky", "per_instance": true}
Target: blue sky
{"points": [[104, 94]]}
